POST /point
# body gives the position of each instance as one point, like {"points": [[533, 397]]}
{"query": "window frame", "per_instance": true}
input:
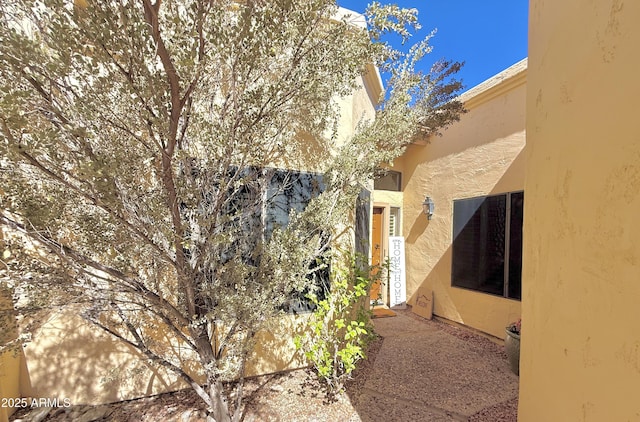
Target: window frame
{"points": [[506, 250], [284, 191], [392, 177]]}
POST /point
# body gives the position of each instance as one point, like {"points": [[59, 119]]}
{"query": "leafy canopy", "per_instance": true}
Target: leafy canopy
{"points": [[138, 147]]}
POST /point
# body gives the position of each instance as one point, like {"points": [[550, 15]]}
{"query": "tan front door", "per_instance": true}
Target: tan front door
{"points": [[376, 251]]}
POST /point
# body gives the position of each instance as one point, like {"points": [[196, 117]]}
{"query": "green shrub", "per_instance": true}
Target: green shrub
{"points": [[340, 327]]}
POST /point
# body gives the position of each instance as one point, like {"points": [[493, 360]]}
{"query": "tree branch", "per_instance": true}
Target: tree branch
{"points": [[97, 202], [151, 16], [70, 255], [141, 346], [168, 178]]}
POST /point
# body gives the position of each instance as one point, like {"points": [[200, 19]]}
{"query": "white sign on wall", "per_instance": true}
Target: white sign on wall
{"points": [[397, 273]]}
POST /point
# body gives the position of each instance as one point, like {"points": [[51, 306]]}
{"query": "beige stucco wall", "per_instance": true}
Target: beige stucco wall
{"points": [[14, 379], [357, 107], [480, 155], [312, 154], [72, 359], [580, 356], [9, 382]]}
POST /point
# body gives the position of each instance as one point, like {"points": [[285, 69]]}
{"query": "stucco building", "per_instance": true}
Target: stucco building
{"points": [[469, 251], [579, 174], [568, 140], [70, 359]]}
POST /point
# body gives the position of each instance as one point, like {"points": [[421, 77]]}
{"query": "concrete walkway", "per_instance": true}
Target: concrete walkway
{"points": [[426, 371]]}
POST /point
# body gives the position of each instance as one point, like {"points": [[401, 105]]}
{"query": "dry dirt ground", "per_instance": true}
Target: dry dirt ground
{"points": [[290, 396]]}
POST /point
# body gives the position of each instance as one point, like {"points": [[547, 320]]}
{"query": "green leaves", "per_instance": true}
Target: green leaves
{"points": [[389, 18], [340, 328]]}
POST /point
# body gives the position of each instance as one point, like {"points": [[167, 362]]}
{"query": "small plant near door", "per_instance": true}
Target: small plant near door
{"points": [[340, 327]]}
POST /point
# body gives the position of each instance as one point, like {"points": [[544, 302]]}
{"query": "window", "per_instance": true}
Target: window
{"points": [[389, 180], [487, 244], [289, 191], [261, 201]]}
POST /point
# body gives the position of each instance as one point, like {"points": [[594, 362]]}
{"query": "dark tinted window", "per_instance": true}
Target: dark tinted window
{"points": [[390, 180], [482, 227]]}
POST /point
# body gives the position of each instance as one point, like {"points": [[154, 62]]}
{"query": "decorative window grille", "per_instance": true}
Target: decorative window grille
{"points": [[394, 222]]}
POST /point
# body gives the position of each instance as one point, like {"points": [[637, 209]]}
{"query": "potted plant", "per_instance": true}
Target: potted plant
{"points": [[512, 346]]}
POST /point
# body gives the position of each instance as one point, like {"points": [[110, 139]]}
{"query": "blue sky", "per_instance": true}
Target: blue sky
{"points": [[488, 35]]}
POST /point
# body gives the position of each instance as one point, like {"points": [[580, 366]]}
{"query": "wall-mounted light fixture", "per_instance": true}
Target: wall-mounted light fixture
{"points": [[428, 207]]}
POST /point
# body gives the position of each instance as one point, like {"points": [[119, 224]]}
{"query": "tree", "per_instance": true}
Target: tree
{"points": [[143, 154]]}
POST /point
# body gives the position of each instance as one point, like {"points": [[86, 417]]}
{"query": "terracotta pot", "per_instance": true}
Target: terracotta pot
{"points": [[512, 347]]}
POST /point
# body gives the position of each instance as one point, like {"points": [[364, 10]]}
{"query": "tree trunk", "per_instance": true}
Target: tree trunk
{"points": [[220, 410]]}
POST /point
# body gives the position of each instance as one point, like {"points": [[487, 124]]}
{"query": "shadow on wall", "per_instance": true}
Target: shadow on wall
{"points": [[71, 359], [274, 350], [418, 228], [311, 152], [14, 375], [432, 240], [438, 279], [496, 119]]}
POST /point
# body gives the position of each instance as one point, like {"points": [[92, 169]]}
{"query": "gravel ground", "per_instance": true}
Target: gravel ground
{"points": [[290, 396]]}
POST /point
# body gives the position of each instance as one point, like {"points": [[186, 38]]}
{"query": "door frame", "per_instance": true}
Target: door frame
{"points": [[386, 210]]}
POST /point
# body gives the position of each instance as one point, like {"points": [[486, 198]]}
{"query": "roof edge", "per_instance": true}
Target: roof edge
{"points": [[504, 81]]}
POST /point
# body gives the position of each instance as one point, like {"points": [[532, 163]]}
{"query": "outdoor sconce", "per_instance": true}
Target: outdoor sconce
{"points": [[428, 207]]}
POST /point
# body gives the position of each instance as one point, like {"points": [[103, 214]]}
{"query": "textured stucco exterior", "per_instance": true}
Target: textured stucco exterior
{"points": [[480, 155], [14, 378], [73, 360], [11, 368], [580, 356]]}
